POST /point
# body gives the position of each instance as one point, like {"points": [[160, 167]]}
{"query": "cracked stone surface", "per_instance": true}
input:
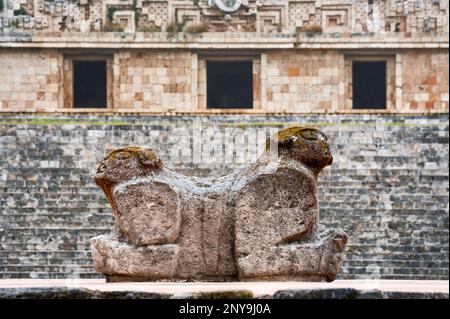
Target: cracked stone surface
{"points": [[260, 224]]}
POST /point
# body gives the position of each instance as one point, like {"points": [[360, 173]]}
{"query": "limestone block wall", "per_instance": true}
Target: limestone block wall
{"points": [[424, 88], [303, 81], [30, 80], [155, 81], [284, 81], [320, 80], [387, 188]]}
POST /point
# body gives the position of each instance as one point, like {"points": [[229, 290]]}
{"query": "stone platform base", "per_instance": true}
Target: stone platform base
{"points": [[339, 289], [128, 279], [312, 278]]}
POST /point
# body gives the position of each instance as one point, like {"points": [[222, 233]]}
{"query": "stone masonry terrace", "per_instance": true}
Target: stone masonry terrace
{"points": [[340, 289]]}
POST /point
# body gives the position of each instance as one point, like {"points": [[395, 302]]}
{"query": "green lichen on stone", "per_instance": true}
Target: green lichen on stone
{"points": [[146, 157], [290, 132], [130, 152], [228, 294], [110, 13], [256, 124], [322, 124], [20, 12], [58, 122], [102, 120]]}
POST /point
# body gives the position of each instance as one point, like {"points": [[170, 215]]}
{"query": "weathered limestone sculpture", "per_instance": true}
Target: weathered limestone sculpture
{"points": [[260, 224]]}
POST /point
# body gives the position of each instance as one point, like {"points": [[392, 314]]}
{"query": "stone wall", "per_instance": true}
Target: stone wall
{"points": [[388, 187], [308, 80], [154, 81], [426, 87], [29, 80], [164, 80]]}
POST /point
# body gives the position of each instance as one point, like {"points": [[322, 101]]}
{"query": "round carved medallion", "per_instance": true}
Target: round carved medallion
{"points": [[228, 5]]}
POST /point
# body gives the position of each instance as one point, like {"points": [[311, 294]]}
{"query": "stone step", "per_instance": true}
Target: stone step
{"points": [[339, 289]]}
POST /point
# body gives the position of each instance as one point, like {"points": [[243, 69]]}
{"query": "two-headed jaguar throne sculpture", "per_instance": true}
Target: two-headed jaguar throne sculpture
{"points": [[260, 224]]}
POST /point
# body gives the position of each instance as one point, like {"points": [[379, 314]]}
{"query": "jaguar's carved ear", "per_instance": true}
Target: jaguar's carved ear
{"points": [[149, 159]]}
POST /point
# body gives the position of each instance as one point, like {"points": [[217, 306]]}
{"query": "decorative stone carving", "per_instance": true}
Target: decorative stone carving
{"points": [[228, 5], [268, 16], [256, 225], [126, 19]]}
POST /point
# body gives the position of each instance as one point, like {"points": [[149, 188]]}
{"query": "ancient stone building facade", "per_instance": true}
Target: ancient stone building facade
{"points": [[172, 56], [272, 63]]}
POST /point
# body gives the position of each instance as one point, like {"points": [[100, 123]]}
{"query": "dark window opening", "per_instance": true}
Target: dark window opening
{"points": [[370, 7], [230, 84], [89, 84], [369, 85]]}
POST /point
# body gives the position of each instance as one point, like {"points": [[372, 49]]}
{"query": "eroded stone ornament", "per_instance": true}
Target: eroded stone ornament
{"points": [[228, 5], [260, 224]]}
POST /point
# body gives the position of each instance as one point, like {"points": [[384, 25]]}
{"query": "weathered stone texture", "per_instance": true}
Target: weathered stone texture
{"points": [[307, 81], [257, 224], [120, 259], [29, 80], [425, 88], [388, 188], [331, 293], [154, 81], [297, 81], [342, 16]]}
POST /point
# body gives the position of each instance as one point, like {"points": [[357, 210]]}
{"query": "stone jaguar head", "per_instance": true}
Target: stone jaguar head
{"points": [[124, 164], [304, 144]]}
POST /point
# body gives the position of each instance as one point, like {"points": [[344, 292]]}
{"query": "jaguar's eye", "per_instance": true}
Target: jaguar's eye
{"points": [[101, 168], [309, 135]]}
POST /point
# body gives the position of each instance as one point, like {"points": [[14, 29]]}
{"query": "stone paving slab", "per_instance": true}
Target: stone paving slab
{"points": [[340, 289]]}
